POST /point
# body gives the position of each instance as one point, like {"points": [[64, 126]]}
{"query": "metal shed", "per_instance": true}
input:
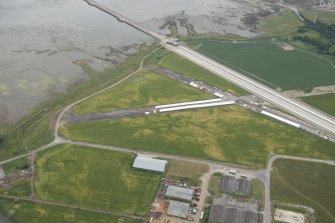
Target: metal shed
{"points": [[179, 193], [149, 164], [178, 209]]}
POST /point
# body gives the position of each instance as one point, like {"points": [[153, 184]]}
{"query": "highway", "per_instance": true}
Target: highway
{"points": [[296, 108]]}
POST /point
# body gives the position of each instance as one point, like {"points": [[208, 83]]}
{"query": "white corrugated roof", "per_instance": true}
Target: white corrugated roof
{"points": [[146, 163]]}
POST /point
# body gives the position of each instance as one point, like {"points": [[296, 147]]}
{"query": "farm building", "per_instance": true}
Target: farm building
{"points": [[179, 193], [231, 185], [149, 164], [178, 209], [225, 211]]}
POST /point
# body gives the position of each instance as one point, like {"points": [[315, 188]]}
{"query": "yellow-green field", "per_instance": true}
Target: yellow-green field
{"points": [[144, 89], [305, 183], [28, 212], [95, 178], [231, 134], [186, 171]]}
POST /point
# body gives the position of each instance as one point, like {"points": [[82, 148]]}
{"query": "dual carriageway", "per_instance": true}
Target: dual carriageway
{"points": [[309, 115]]}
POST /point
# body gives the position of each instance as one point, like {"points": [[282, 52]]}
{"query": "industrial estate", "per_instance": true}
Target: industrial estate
{"points": [[232, 127]]}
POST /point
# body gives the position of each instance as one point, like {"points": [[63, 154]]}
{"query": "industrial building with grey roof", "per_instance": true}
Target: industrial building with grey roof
{"points": [[179, 193], [225, 210], [178, 209], [231, 185], [149, 164]]}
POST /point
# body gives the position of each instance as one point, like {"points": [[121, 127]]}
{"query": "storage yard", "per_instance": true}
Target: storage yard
{"points": [[176, 200], [288, 216]]}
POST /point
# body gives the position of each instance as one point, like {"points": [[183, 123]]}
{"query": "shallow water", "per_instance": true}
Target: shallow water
{"points": [[40, 39]]}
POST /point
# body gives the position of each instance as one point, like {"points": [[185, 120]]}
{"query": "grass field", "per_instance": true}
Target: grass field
{"points": [[143, 89], [325, 102], [269, 63], [27, 212], [188, 172], [231, 134], [70, 174], [305, 183], [21, 189], [323, 16], [181, 65], [284, 23]]}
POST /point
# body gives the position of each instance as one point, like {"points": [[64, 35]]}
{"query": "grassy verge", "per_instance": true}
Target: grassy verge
{"points": [[27, 212], [181, 65], [231, 134], [143, 89], [70, 174], [186, 171], [323, 102], [35, 129], [258, 192], [214, 185], [305, 183]]}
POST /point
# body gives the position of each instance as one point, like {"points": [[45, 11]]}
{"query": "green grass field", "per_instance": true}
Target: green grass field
{"points": [[284, 23], [27, 212], [95, 178], [188, 172], [231, 134], [305, 183], [325, 102], [23, 188], [143, 89], [270, 64], [181, 65]]}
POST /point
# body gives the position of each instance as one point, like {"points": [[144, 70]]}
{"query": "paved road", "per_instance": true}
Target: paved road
{"points": [[123, 19], [108, 115], [267, 206], [299, 109]]}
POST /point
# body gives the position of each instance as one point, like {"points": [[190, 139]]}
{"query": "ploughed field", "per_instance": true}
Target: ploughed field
{"points": [[231, 134]]}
